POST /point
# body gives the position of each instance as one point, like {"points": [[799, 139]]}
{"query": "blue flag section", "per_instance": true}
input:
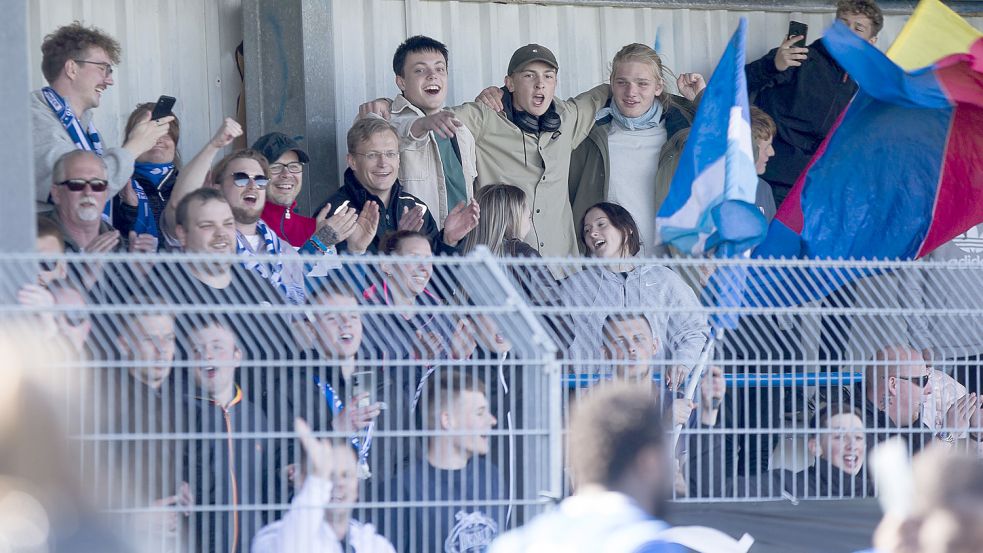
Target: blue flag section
{"points": [[710, 206]]}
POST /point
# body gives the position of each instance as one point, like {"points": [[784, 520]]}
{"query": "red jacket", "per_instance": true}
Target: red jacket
{"points": [[295, 229]]}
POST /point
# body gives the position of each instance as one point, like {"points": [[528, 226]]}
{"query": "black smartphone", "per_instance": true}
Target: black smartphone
{"points": [[796, 28], [163, 107]]}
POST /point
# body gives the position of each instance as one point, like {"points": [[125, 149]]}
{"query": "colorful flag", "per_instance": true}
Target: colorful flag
{"points": [[710, 206], [933, 32], [900, 173]]}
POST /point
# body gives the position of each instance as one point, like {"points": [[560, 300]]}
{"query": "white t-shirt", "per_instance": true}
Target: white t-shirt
{"points": [[254, 242], [634, 160]]}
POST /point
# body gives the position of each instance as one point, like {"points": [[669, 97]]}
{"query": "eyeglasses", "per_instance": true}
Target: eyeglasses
{"points": [[921, 381], [292, 167], [242, 180], [107, 69], [78, 185], [75, 319], [374, 156]]}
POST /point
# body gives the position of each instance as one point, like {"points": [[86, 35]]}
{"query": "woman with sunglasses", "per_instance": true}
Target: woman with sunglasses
{"points": [[139, 205], [608, 231]]}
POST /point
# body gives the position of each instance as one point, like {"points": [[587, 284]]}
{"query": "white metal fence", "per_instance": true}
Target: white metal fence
{"points": [[181, 392]]}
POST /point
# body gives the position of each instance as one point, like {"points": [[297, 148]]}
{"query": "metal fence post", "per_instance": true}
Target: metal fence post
{"points": [[553, 374]]}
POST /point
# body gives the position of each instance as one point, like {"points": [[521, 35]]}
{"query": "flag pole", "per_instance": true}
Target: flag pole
{"points": [[696, 375]]}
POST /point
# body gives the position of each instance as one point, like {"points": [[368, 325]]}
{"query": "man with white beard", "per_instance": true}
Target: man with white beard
{"points": [[80, 191]]}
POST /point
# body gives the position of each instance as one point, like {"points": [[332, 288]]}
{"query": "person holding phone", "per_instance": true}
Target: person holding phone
{"points": [[78, 62], [138, 207], [805, 90]]}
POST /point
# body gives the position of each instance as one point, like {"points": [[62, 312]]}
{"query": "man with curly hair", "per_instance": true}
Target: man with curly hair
{"points": [[804, 90], [77, 62]]}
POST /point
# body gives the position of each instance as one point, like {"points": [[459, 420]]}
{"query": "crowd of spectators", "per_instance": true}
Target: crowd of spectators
{"points": [[517, 171]]}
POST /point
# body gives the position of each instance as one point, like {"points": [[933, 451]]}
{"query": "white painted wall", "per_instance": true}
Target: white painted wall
{"points": [[185, 47]]}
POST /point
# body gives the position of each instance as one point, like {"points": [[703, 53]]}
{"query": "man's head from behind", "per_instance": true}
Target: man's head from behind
{"points": [[420, 65], [78, 61], [763, 131], [947, 513], [373, 155], [286, 159], [630, 346], [456, 402], [898, 383], [532, 79], [863, 17], [617, 443], [80, 189], [204, 223]]}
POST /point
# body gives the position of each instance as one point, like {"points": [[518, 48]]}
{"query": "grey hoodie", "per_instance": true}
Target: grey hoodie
{"points": [[51, 141], [674, 309]]}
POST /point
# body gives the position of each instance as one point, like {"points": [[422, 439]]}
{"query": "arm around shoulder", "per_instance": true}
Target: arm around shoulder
{"points": [[585, 106]]}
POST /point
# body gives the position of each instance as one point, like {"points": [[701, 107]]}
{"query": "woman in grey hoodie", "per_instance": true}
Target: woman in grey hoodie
{"points": [[608, 231]]}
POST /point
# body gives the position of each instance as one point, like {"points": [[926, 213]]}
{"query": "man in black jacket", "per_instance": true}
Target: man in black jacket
{"points": [[805, 91], [371, 188]]}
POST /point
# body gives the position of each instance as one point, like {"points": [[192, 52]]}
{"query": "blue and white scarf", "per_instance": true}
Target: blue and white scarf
{"points": [[273, 272], [84, 139], [155, 173], [648, 120]]}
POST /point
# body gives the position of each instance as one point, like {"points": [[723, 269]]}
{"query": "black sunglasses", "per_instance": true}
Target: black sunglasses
{"points": [[242, 180], [78, 185], [921, 381]]}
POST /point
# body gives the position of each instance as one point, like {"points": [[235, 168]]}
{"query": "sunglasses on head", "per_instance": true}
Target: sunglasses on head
{"points": [[242, 180], [78, 185], [921, 381]]}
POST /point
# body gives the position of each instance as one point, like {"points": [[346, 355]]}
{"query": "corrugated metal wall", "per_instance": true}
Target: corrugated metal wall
{"points": [[185, 47]]}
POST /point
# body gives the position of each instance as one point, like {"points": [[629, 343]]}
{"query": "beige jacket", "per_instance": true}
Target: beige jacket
{"points": [[421, 171], [539, 165]]}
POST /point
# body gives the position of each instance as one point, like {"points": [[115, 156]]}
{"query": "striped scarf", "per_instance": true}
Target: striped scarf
{"points": [[272, 272], [84, 139]]}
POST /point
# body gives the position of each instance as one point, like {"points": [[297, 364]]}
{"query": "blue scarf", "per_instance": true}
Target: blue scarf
{"points": [[649, 120], [273, 272], [84, 139], [155, 173]]}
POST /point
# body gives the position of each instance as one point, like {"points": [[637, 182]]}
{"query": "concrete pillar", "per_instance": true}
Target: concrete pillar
{"points": [[17, 211], [289, 85]]}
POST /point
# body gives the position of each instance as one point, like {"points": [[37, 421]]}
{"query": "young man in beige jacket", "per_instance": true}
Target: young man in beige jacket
{"points": [[529, 142], [439, 170]]}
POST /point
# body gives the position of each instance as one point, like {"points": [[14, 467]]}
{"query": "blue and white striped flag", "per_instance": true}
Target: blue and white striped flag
{"points": [[710, 207]]}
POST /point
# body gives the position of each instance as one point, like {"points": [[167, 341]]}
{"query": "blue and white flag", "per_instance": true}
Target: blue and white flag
{"points": [[710, 207]]}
